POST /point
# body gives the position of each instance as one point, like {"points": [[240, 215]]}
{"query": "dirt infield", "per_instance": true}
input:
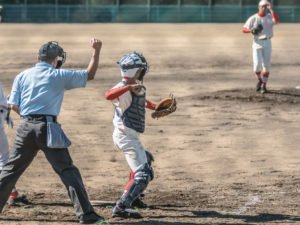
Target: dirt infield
{"points": [[227, 156]]}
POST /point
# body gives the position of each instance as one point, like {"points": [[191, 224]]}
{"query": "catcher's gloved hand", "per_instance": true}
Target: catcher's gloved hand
{"points": [[257, 30], [165, 107]]}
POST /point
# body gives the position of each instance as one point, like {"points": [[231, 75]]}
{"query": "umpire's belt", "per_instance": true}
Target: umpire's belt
{"points": [[41, 118]]}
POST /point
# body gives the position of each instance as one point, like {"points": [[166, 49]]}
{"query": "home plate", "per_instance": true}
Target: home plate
{"points": [[101, 202]]}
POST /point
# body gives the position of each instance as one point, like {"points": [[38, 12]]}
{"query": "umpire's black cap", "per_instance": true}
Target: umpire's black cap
{"points": [[50, 51]]}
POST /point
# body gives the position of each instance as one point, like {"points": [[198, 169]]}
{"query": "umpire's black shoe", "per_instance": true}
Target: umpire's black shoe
{"points": [[91, 218], [258, 86], [138, 203], [120, 211]]}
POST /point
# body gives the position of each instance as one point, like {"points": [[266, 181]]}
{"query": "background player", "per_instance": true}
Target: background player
{"points": [[261, 26], [129, 99], [15, 198]]}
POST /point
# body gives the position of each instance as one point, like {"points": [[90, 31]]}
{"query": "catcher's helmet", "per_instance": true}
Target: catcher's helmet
{"points": [[49, 51], [131, 62]]}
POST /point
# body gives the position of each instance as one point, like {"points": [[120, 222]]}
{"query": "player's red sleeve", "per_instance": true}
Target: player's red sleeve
{"points": [[116, 92], [150, 105], [246, 30], [275, 18]]}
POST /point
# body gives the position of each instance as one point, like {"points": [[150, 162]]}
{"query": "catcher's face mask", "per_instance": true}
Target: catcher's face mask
{"points": [[49, 51], [131, 63]]}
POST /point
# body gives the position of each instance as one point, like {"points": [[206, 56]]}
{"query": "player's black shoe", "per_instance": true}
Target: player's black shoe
{"points": [[121, 211], [91, 218], [138, 203], [258, 86], [18, 201], [263, 90]]}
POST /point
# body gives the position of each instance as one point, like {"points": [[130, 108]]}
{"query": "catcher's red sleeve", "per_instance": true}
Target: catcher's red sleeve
{"points": [[246, 30], [116, 92], [275, 17], [150, 105]]}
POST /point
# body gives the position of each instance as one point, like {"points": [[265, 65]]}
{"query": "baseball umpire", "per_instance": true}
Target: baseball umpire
{"points": [[36, 95], [261, 26]]}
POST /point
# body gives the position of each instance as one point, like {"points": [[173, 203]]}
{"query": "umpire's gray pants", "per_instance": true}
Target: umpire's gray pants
{"points": [[31, 136]]}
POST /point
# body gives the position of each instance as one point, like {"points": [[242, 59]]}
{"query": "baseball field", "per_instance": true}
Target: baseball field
{"points": [[228, 155]]}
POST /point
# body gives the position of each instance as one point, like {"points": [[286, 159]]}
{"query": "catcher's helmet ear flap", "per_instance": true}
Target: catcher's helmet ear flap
{"points": [[49, 51], [131, 63], [144, 68]]}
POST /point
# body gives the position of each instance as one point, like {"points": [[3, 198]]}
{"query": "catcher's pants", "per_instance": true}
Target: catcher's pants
{"points": [[133, 149], [4, 152], [262, 50], [31, 136]]}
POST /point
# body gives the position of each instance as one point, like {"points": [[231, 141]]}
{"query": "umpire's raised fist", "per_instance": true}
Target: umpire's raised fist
{"points": [[95, 43]]}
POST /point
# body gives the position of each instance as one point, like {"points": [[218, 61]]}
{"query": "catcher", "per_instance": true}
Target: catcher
{"points": [[129, 100]]}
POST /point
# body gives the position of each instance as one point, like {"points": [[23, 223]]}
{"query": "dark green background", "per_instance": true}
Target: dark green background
{"points": [[135, 11]]}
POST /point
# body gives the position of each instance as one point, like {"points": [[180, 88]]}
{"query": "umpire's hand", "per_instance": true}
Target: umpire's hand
{"points": [[96, 44]]}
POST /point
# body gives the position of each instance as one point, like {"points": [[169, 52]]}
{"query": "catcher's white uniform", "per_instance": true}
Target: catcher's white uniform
{"points": [[125, 138], [129, 100], [4, 151]]}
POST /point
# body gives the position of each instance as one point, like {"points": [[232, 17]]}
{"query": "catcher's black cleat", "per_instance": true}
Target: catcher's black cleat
{"points": [[91, 218], [263, 90], [138, 203], [258, 85], [18, 201], [119, 211]]}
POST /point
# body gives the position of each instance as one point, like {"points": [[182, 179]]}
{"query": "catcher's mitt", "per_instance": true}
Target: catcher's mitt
{"points": [[165, 107], [257, 30]]}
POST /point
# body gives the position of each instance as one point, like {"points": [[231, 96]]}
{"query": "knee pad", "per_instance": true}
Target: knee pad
{"points": [[144, 175]]}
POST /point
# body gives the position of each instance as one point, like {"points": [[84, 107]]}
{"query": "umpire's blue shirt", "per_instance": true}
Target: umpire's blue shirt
{"points": [[40, 89]]}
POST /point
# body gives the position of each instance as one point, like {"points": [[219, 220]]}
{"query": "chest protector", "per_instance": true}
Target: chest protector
{"points": [[134, 116]]}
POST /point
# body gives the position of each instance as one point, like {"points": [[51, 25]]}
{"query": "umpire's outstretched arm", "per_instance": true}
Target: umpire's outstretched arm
{"points": [[93, 65]]}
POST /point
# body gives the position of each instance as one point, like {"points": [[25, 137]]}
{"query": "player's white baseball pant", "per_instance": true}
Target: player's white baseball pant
{"points": [[262, 50], [133, 149], [4, 151]]}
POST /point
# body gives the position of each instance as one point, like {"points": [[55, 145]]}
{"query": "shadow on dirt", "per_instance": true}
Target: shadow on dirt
{"points": [[249, 219], [38, 220], [149, 222], [245, 219], [190, 214], [282, 96], [262, 217]]}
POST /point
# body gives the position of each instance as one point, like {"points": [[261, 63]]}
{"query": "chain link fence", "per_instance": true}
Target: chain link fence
{"points": [[53, 13]]}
